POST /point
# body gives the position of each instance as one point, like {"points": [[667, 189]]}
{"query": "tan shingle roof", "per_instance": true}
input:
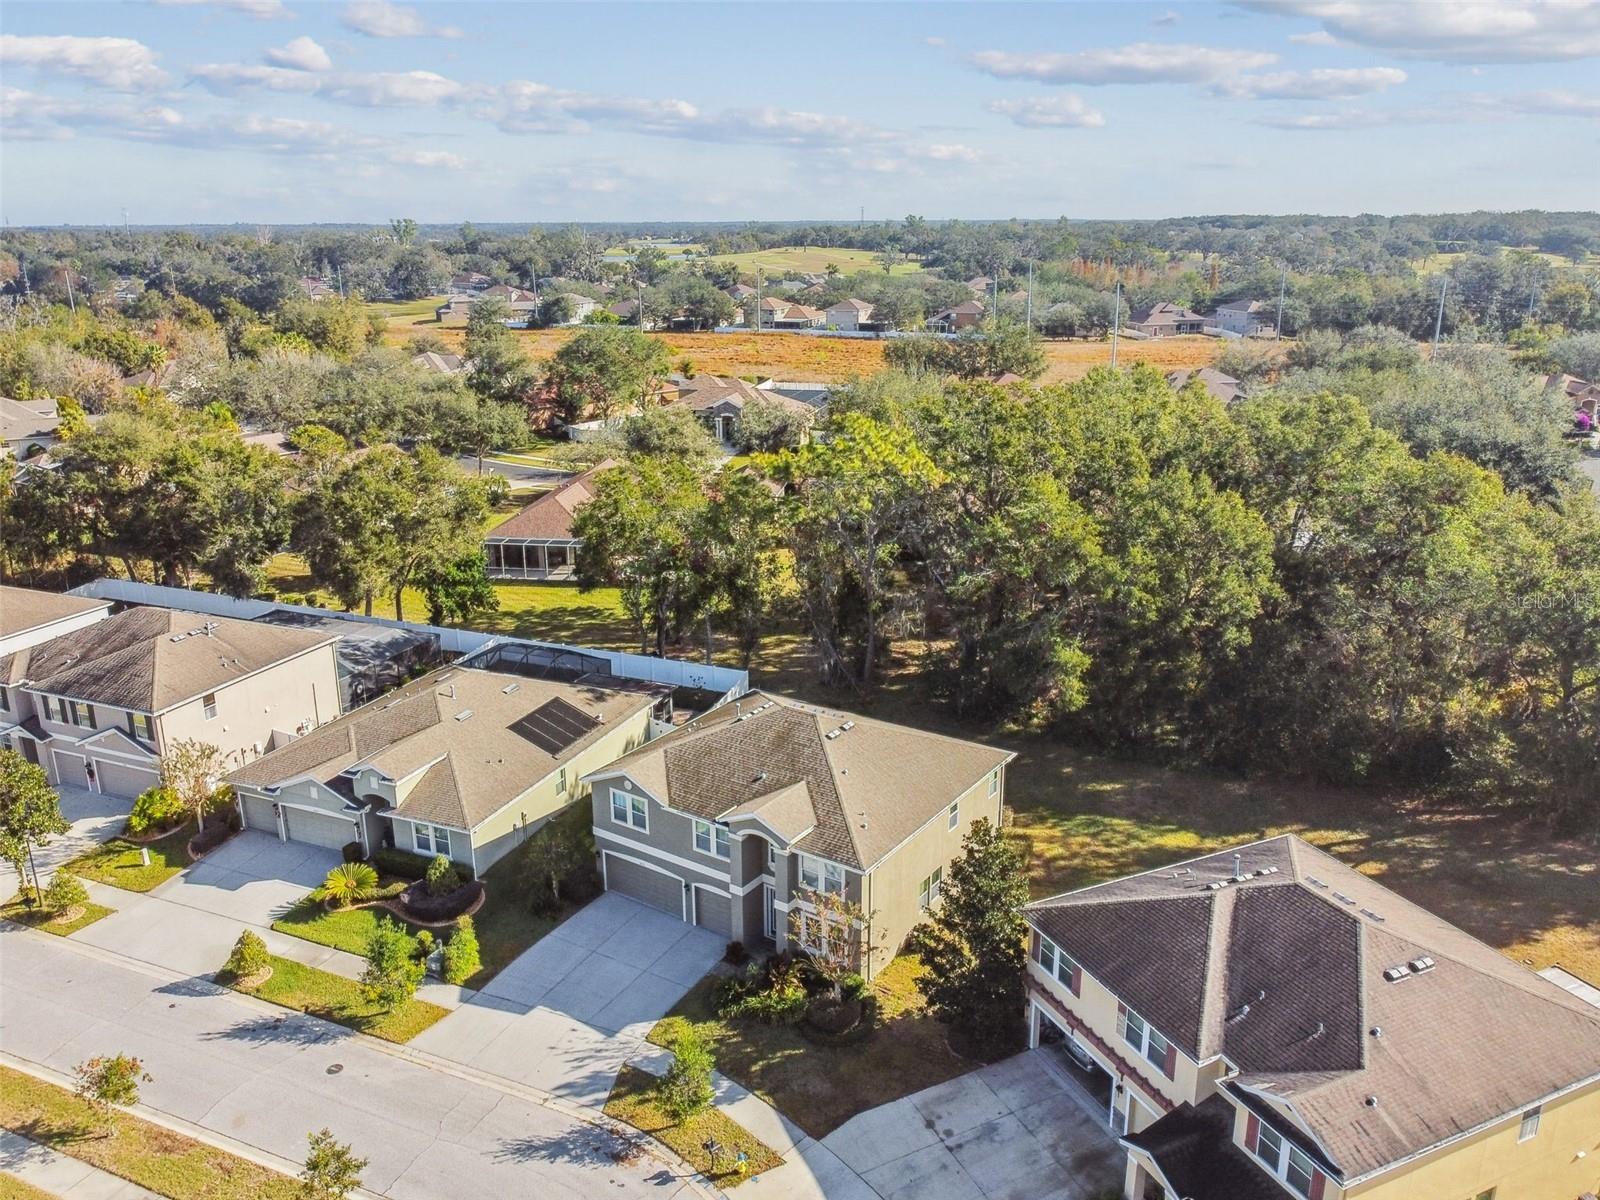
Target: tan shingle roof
{"points": [[19, 421], [870, 788], [149, 659], [24, 608], [1304, 941], [549, 518]]}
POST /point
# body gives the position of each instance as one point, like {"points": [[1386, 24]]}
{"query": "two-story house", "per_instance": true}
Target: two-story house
{"points": [[97, 707], [461, 762], [1248, 318], [1266, 1022], [732, 820], [28, 616]]}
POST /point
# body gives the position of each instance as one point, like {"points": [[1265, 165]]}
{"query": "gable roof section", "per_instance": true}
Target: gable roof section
{"points": [[1193, 1147], [150, 659], [549, 518], [869, 788], [35, 419], [23, 608], [1304, 941]]}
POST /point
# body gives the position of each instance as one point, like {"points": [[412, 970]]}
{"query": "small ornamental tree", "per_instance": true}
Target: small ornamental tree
{"points": [[332, 1170], [249, 957], [551, 855], [832, 931], [156, 808], [460, 960], [109, 1081], [441, 879], [686, 1087], [393, 972], [30, 815], [977, 951], [191, 769], [65, 896]]}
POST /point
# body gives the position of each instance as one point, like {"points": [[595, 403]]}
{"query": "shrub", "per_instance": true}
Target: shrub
{"points": [[348, 883], [686, 1087], [106, 1081], [853, 986], [65, 892], [156, 808], [779, 998], [400, 863], [332, 1170], [352, 852], [249, 956], [424, 944], [442, 878], [421, 905], [392, 973], [736, 954], [461, 961]]}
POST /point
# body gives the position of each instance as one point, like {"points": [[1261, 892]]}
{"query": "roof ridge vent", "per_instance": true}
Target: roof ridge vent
{"points": [[510, 687], [1342, 898], [1419, 965], [1316, 883], [1367, 912], [464, 715]]}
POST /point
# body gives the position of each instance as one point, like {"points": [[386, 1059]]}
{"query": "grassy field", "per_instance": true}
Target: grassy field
{"points": [[335, 998], [46, 922], [148, 1155], [120, 863], [632, 1101], [809, 260]]}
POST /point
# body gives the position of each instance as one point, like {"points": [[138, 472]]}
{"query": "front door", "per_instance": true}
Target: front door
{"points": [[769, 925]]}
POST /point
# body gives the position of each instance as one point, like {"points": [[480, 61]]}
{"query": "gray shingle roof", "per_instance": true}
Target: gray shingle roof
{"points": [[25, 608]]}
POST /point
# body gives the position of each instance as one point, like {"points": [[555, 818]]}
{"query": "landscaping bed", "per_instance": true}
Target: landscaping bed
{"points": [[48, 922], [633, 1101], [120, 864], [335, 998], [141, 1152]]}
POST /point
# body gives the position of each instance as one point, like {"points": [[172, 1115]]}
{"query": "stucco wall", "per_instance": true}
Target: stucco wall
{"points": [[302, 689]]}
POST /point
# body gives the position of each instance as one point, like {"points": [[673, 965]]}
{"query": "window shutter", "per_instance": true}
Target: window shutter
{"points": [[1034, 947], [1122, 1019], [1169, 1064], [1077, 979], [1318, 1182], [1252, 1132]]}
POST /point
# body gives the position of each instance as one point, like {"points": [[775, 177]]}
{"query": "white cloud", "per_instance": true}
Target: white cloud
{"points": [[1467, 31], [227, 78], [1320, 37], [430, 158], [1553, 103], [1170, 17], [1050, 112], [121, 64], [1333, 83], [264, 10], [302, 54], [933, 41], [381, 19], [1142, 62], [952, 152], [391, 89]]}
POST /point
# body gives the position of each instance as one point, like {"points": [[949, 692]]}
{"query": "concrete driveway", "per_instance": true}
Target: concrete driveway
{"points": [[252, 877], [567, 1013], [95, 818], [1017, 1130]]}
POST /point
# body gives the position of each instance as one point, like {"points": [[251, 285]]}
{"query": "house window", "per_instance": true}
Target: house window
{"points": [[561, 781], [1056, 962], [994, 782], [82, 715], [431, 839], [139, 724], [1138, 1034], [711, 838], [928, 889], [816, 875], [955, 815], [1297, 1171], [209, 703], [1486, 1194], [772, 856], [5, 699], [1530, 1123], [1286, 1162], [1269, 1147], [628, 810]]}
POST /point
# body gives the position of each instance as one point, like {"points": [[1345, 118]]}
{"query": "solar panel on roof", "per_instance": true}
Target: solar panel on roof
{"points": [[554, 726]]}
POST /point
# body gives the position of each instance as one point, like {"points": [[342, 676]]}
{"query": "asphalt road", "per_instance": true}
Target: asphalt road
{"points": [[516, 473], [266, 1077]]}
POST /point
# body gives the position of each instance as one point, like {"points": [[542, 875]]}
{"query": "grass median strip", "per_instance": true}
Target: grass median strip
{"points": [[335, 998], [48, 922], [128, 1146], [633, 1101], [12, 1188], [121, 864]]}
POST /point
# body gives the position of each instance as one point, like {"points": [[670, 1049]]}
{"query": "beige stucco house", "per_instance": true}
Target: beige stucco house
{"points": [[1267, 1022], [731, 821], [28, 616], [98, 706], [462, 762]]}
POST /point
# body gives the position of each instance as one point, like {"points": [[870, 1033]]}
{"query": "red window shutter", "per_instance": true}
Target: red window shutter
{"points": [[1077, 980], [1318, 1182], [1252, 1132], [1170, 1063]]}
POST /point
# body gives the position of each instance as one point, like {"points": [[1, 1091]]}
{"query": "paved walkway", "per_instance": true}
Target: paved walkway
{"points": [[95, 818], [64, 1177]]}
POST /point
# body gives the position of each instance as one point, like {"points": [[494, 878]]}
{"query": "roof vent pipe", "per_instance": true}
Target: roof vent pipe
{"points": [[1238, 866]]}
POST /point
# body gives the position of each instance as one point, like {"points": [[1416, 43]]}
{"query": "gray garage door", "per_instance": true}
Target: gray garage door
{"points": [[120, 779], [713, 911], [258, 815], [70, 769], [319, 829], [653, 887]]}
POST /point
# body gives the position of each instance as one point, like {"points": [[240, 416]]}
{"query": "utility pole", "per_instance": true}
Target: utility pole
{"points": [[639, 321], [1116, 322], [1030, 295], [338, 271], [1283, 284], [861, 220], [1438, 320], [760, 281], [71, 299], [994, 316], [127, 232]]}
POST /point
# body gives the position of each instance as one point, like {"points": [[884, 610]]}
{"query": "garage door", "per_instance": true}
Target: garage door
{"points": [[258, 815], [319, 829], [713, 911], [70, 769], [655, 888], [121, 779]]}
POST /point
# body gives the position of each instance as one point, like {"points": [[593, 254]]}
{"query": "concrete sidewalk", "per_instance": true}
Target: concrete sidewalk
{"points": [[64, 1177]]}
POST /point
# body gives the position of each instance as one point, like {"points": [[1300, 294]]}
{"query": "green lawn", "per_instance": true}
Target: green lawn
{"points": [[405, 308], [335, 998], [120, 863], [38, 918], [633, 1101], [12, 1188], [784, 260], [820, 1087], [347, 929], [148, 1155]]}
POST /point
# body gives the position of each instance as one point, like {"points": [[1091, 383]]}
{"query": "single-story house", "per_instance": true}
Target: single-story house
{"points": [[27, 426], [1166, 320], [463, 762], [798, 316], [849, 314], [1584, 396], [1248, 318], [737, 820], [470, 281], [538, 542], [97, 707], [717, 402], [1224, 387], [1266, 1022], [968, 314], [317, 289], [981, 286]]}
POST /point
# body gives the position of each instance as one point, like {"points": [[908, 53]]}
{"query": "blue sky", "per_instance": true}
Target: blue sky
{"points": [[360, 110]]}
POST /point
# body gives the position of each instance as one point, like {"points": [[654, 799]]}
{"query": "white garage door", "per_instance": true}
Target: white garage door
{"points": [[319, 829], [655, 888], [71, 769], [713, 911], [123, 779], [258, 815]]}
